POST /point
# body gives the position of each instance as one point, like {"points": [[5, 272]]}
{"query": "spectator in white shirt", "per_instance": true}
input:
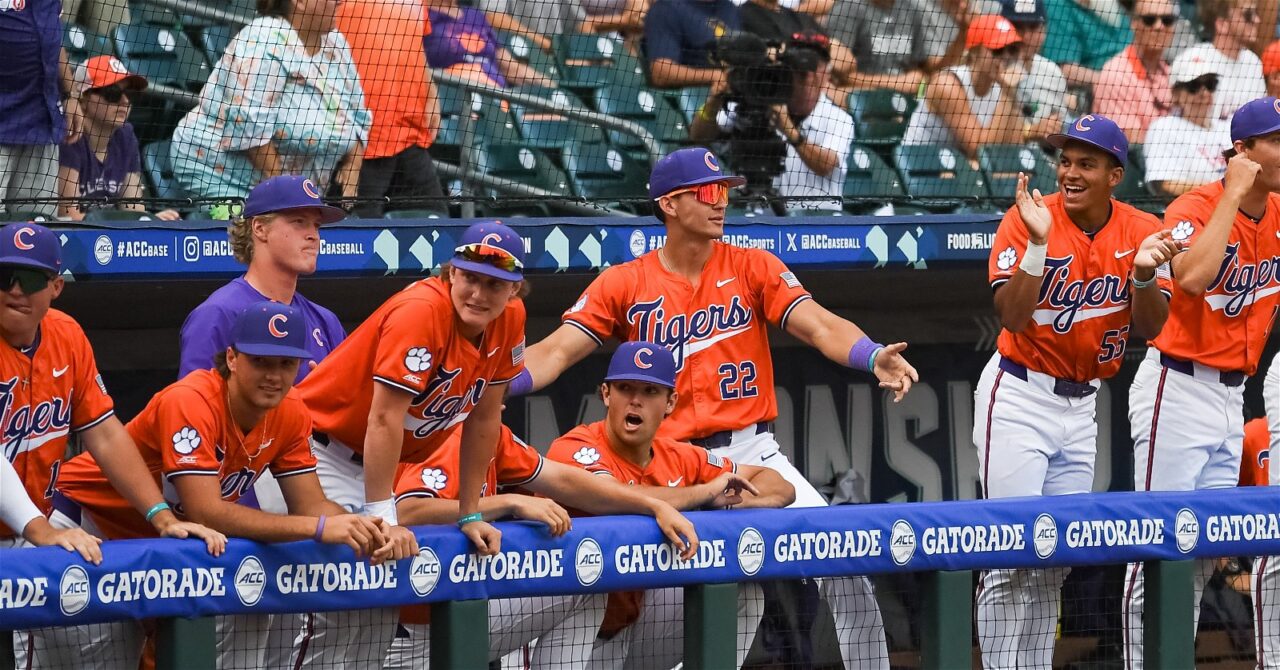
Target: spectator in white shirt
{"points": [[1184, 150], [1233, 26]]}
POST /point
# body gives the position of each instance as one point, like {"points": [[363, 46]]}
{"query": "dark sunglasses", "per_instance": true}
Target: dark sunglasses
{"points": [[1250, 15], [112, 94], [1193, 87], [1149, 20], [30, 281], [489, 255]]}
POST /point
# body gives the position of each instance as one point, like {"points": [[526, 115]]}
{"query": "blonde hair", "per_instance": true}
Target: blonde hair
{"points": [[240, 233], [522, 293]]}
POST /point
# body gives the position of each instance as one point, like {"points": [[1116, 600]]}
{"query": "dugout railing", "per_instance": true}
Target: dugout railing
{"points": [[947, 540]]}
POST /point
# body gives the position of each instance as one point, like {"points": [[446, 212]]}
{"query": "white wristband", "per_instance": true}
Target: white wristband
{"points": [[385, 509], [1033, 260]]}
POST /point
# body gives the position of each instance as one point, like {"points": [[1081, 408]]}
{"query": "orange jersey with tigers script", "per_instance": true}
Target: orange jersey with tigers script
{"points": [[1255, 466], [411, 343], [717, 331], [187, 429], [46, 394], [1227, 327], [1080, 325]]}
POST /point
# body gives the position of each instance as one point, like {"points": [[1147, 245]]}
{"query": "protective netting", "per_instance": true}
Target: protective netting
{"points": [[526, 107]]}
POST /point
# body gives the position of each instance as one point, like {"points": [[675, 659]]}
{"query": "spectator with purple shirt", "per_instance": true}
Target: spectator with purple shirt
{"points": [[463, 43]]}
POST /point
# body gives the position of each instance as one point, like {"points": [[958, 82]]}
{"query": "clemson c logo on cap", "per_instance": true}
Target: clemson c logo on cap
{"points": [[492, 239], [309, 187], [1080, 123], [710, 159], [274, 323], [21, 243], [641, 354], [1276, 104]]}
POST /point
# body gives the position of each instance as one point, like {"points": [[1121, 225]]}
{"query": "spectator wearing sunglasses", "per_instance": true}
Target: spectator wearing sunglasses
{"points": [[1271, 68], [1133, 88], [975, 103], [1233, 27], [1184, 149], [104, 164]]}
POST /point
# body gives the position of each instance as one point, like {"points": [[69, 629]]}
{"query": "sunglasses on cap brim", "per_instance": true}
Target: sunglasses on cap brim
{"points": [[489, 255], [713, 193], [28, 280]]}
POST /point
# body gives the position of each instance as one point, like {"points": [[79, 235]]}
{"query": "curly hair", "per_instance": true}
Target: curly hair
{"points": [[240, 234]]}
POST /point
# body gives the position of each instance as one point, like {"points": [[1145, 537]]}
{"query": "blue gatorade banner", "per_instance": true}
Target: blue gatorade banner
{"points": [[167, 578]]}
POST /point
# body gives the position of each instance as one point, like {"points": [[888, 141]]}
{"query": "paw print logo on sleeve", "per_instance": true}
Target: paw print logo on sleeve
{"points": [[1006, 259], [186, 440], [586, 455], [434, 478], [417, 359], [1183, 231]]}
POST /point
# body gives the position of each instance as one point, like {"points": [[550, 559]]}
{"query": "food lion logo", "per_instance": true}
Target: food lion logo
{"points": [[186, 440], [251, 581], [434, 478], [1186, 530], [588, 562], [902, 542], [750, 551], [1006, 259], [424, 572], [1045, 538], [275, 326], [1182, 232], [417, 359], [586, 455]]}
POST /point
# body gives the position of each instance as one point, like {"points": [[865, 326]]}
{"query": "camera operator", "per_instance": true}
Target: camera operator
{"points": [[816, 131]]}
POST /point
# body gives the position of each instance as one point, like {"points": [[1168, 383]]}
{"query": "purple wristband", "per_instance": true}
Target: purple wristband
{"points": [[320, 528], [862, 353], [522, 384]]}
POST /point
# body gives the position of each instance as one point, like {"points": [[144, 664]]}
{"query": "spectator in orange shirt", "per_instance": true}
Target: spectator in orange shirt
{"points": [[1271, 68], [385, 37], [1133, 87]]}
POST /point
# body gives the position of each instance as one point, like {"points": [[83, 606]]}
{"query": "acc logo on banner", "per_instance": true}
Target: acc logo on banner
{"points": [[588, 562], [73, 591], [251, 581], [902, 542], [424, 572], [750, 551], [1186, 529], [1046, 536]]}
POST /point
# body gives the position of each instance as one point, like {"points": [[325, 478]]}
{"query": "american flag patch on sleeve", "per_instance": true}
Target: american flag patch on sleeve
{"points": [[715, 461], [517, 353], [790, 279]]}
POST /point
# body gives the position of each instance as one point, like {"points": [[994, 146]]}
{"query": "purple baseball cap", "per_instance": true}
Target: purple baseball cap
{"points": [[1255, 118], [270, 329], [490, 248], [286, 192], [30, 245], [1097, 130], [642, 362], [687, 167]]}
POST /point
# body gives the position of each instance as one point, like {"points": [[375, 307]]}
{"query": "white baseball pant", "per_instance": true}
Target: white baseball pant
{"points": [[564, 627], [1031, 441], [655, 641], [1188, 434], [858, 622], [1266, 569], [353, 639]]}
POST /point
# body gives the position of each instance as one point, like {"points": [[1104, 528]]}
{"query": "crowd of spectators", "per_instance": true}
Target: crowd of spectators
{"points": [[341, 92]]}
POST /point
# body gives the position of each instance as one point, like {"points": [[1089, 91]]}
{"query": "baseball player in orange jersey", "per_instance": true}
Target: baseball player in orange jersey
{"points": [[1072, 272], [644, 629], [432, 356], [565, 626], [710, 304], [1186, 405], [49, 389], [207, 438]]}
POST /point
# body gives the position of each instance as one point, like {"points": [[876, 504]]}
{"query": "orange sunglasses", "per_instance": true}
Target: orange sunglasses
{"points": [[710, 194]]}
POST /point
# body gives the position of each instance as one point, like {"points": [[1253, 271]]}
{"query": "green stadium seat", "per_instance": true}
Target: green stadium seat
{"points": [[82, 44], [159, 172], [525, 51], [647, 108], [525, 164], [880, 116], [1001, 164], [412, 214], [604, 173], [214, 40], [590, 61], [689, 100], [869, 181], [548, 130], [142, 12], [22, 215], [492, 121], [940, 175], [162, 55]]}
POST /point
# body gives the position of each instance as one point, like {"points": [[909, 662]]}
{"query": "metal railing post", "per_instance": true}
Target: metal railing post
{"points": [[459, 634], [7, 661], [947, 625], [710, 625], [186, 644], [1168, 636]]}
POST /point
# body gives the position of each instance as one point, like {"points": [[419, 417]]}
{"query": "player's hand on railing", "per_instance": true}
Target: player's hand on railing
{"points": [[364, 534], [1035, 215], [543, 510], [401, 544], [727, 489], [1159, 248], [894, 372], [214, 541], [678, 529], [486, 538], [40, 533]]}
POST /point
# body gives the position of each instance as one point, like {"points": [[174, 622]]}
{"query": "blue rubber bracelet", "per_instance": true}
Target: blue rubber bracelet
{"points": [[156, 509], [470, 518]]}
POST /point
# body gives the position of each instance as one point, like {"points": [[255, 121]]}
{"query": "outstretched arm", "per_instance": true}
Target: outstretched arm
{"points": [[836, 337], [547, 359]]}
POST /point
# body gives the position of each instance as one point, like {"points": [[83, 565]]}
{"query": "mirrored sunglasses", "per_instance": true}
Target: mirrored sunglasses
{"points": [[709, 194], [489, 255], [29, 281]]}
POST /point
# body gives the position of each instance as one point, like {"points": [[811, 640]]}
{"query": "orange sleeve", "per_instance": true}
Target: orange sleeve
{"points": [[701, 466], [517, 462], [186, 433], [1187, 216], [408, 341], [778, 287], [1147, 224], [1007, 249], [432, 478], [574, 450], [426, 20], [90, 403], [600, 311], [296, 457]]}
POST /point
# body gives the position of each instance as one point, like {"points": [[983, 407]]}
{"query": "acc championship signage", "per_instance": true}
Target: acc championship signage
{"points": [[164, 578]]}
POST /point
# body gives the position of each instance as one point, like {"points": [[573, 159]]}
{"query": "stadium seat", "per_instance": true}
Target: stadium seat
{"points": [[589, 61], [1001, 164], [525, 164], [548, 130], [81, 44], [528, 53], [940, 175], [215, 40], [492, 122], [604, 173], [142, 12], [162, 55], [159, 173], [647, 108], [880, 116], [689, 100], [1134, 184], [22, 215], [869, 181], [412, 214]]}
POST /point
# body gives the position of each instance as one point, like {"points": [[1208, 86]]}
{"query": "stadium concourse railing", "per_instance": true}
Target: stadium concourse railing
{"points": [[178, 583]]}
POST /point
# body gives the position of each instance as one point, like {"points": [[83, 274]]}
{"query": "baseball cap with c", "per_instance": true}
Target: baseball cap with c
{"points": [[30, 245], [1255, 118], [1097, 130], [270, 329], [492, 249], [103, 71], [286, 192], [991, 31], [688, 167], [642, 362]]}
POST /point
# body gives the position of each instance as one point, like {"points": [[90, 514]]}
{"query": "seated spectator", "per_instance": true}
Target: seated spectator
{"points": [[777, 23], [888, 39], [1083, 36], [679, 39], [975, 103], [1042, 95], [1184, 149], [1133, 87], [817, 131], [1271, 68], [104, 164], [286, 98], [463, 43], [537, 20], [946, 24], [625, 17], [1232, 26]]}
